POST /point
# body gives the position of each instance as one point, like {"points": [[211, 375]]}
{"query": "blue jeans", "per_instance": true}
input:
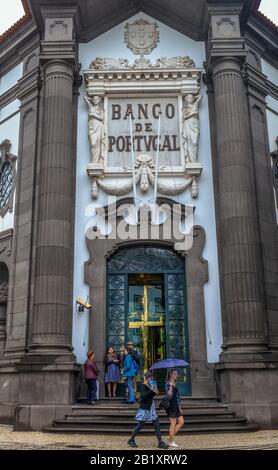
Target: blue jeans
{"points": [[130, 387]]}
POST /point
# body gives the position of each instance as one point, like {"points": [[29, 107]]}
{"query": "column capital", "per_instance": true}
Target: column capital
{"points": [[225, 26], [60, 34]]}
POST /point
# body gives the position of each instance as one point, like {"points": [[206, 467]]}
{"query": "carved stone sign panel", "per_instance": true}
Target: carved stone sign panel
{"points": [[126, 100], [144, 114]]}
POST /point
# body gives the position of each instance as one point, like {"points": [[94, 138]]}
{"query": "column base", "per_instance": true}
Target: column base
{"points": [[38, 385], [250, 389], [36, 417]]}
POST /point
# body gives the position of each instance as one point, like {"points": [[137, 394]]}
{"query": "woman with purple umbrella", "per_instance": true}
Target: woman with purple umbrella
{"points": [[173, 402]]}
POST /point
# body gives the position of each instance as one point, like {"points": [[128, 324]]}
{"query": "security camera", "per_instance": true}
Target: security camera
{"points": [[82, 304]]}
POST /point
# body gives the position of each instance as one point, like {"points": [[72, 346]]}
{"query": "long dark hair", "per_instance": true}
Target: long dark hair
{"points": [[107, 350], [169, 374]]}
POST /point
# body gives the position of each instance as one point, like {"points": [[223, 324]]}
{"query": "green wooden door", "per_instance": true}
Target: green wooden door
{"points": [[142, 260]]}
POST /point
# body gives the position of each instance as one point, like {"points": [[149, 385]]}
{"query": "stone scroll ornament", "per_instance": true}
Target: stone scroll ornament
{"points": [[144, 178]]}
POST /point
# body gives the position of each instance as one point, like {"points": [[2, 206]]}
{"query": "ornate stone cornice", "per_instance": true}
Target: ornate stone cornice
{"points": [[109, 63], [174, 74]]}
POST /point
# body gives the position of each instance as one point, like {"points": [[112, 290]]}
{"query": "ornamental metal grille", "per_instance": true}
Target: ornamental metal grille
{"points": [[6, 184], [150, 259]]}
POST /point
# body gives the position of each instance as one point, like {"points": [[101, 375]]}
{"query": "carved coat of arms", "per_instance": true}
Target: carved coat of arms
{"points": [[141, 37]]}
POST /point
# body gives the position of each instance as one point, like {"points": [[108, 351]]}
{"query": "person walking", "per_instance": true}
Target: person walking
{"points": [[112, 371], [174, 410], [91, 374], [128, 374], [147, 411]]}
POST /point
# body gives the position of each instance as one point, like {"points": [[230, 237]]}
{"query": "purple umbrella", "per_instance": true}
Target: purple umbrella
{"points": [[169, 364]]}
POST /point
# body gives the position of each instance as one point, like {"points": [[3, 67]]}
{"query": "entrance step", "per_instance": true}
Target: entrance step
{"points": [[112, 417], [184, 400]]}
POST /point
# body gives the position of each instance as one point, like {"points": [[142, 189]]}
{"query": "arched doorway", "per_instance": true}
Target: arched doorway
{"points": [[4, 283], [146, 304]]}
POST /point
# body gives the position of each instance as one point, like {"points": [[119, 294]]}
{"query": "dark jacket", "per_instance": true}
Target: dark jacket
{"points": [[146, 397], [135, 356], [90, 370]]}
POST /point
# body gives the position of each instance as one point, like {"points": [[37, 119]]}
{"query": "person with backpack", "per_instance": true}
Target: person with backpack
{"points": [[128, 374], [136, 363]]}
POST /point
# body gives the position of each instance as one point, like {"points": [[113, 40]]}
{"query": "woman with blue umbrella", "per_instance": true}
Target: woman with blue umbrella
{"points": [[173, 402]]}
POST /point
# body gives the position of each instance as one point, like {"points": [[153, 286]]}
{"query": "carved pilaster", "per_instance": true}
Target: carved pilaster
{"points": [[256, 86], [243, 284], [243, 307], [51, 323]]}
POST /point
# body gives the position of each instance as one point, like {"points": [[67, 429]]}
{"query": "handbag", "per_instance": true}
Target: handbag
{"points": [[164, 404]]}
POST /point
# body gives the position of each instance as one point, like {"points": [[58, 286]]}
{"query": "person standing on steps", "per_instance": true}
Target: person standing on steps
{"points": [[91, 375], [174, 410], [112, 371], [136, 360], [147, 412], [128, 374]]}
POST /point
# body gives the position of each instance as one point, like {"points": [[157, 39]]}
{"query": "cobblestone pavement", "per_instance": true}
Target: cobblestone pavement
{"points": [[44, 441]]}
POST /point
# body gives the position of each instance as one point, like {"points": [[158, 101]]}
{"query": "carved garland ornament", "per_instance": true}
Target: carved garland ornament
{"points": [[144, 178]]}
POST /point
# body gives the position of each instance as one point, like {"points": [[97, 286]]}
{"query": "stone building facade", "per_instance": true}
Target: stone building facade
{"points": [[87, 90]]}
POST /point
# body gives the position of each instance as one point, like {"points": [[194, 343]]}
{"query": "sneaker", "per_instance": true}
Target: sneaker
{"points": [[93, 403], [162, 445], [132, 443], [173, 444]]}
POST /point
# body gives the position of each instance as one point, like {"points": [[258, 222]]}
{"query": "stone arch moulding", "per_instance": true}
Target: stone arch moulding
{"points": [[196, 268], [5, 255]]}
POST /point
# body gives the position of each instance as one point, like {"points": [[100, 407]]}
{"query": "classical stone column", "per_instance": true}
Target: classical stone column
{"points": [[240, 248], [52, 312]]}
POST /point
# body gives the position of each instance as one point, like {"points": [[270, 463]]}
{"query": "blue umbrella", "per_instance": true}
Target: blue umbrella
{"points": [[169, 364]]}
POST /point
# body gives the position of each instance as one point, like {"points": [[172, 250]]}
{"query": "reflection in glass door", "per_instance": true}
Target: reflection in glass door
{"points": [[146, 320]]}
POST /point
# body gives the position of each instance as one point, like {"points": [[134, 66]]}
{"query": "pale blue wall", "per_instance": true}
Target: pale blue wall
{"points": [[272, 112], [171, 44]]}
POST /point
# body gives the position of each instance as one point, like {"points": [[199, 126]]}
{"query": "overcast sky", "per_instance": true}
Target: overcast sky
{"points": [[13, 10]]}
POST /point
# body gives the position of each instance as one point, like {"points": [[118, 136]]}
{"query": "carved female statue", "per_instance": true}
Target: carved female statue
{"points": [[191, 127], [96, 129]]}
